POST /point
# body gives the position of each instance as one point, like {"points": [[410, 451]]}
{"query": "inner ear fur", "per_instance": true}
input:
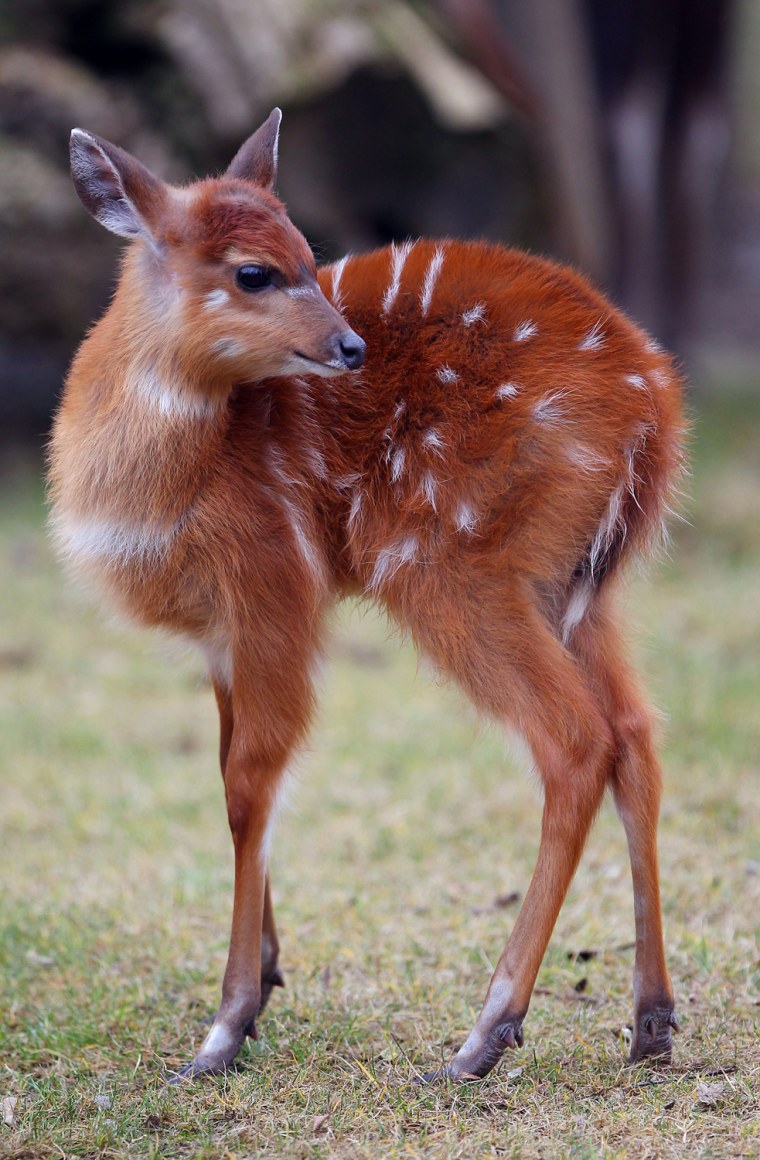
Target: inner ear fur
{"points": [[115, 187]]}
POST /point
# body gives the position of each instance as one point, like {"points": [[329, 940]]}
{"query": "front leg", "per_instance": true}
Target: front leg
{"points": [[260, 738]]}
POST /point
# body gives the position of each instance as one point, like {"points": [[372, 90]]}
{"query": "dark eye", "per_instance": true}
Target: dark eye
{"points": [[254, 277]]}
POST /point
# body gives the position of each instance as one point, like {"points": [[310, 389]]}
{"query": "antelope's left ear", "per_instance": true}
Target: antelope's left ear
{"points": [[256, 159]]}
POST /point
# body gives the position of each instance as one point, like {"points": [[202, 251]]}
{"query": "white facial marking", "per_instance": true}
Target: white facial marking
{"points": [[595, 339], [336, 273], [300, 292], [398, 459], [476, 313], [466, 519], [399, 254], [390, 559], [445, 374], [227, 347], [215, 299], [525, 331], [432, 440], [430, 279], [637, 381], [507, 390]]}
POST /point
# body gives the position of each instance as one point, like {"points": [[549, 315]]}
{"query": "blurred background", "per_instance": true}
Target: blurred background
{"points": [[621, 137]]}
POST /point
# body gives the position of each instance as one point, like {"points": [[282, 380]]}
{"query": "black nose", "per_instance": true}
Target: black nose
{"points": [[352, 350]]}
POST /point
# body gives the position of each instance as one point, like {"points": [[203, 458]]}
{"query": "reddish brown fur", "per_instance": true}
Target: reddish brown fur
{"points": [[484, 482]]}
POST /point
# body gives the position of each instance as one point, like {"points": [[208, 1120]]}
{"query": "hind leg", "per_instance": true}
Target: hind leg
{"points": [[513, 666], [637, 785]]}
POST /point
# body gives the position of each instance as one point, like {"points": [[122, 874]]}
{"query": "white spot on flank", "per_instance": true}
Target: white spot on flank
{"points": [[170, 399], [336, 273], [399, 409], [584, 457], [429, 488], [227, 347], [525, 331], [390, 559], [432, 440], [507, 390], [660, 379], [356, 507], [467, 520], [549, 410], [398, 459], [637, 381], [215, 299], [399, 254], [430, 279], [445, 374], [476, 313], [595, 339]]}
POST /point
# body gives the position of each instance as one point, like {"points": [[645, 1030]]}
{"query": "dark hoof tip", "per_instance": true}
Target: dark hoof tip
{"points": [[193, 1071], [276, 978], [442, 1075]]}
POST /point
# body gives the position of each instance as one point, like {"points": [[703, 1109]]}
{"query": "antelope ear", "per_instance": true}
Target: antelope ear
{"points": [[256, 159], [114, 187]]}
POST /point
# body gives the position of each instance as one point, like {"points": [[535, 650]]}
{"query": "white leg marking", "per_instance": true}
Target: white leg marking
{"points": [[430, 279], [399, 254], [577, 605]]}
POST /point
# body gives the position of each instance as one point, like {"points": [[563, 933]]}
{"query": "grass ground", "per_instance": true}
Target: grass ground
{"points": [[394, 871]]}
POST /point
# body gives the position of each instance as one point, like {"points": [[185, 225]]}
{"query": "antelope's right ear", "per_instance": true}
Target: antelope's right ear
{"points": [[117, 190]]}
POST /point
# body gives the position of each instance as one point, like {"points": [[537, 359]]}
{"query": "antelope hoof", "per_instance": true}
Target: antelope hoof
{"points": [[272, 979], [653, 1038], [217, 1052], [479, 1054]]}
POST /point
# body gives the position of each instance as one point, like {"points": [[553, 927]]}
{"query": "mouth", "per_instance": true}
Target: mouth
{"points": [[302, 362]]}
